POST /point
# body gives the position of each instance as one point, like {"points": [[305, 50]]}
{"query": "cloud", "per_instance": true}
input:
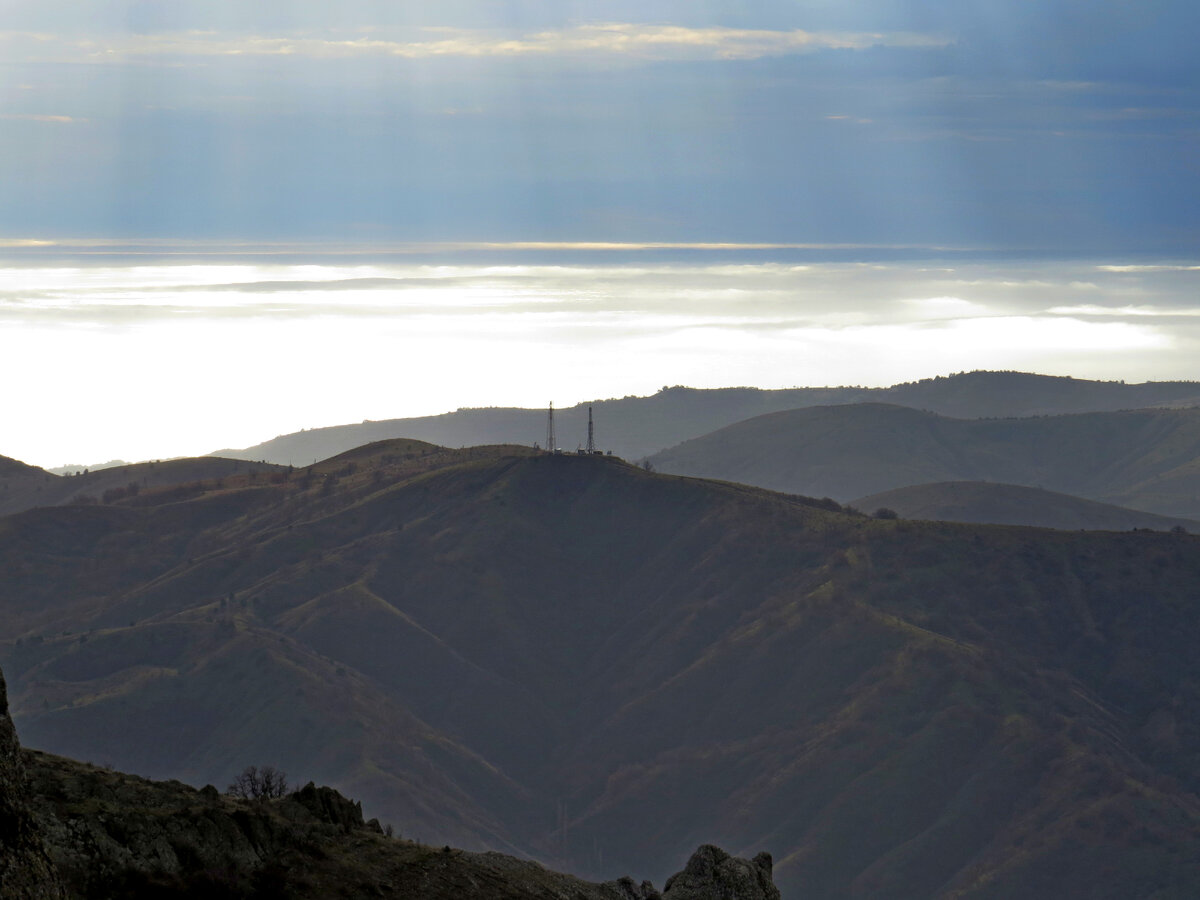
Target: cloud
{"points": [[1149, 268], [40, 117], [946, 308], [621, 39], [1122, 311], [249, 250]]}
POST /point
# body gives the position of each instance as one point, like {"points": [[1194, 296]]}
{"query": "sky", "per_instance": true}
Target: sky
{"points": [[221, 221]]}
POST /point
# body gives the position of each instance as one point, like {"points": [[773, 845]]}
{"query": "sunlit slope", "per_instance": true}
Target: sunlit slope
{"points": [[604, 667], [1010, 504], [634, 427], [25, 487], [1143, 459]]}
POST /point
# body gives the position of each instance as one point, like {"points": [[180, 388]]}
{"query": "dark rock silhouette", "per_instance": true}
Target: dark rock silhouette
{"points": [[327, 805], [712, 874]]}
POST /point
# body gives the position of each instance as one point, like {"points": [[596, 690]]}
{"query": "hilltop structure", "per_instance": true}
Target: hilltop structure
{"points": [[591, 441], [552, 441]]}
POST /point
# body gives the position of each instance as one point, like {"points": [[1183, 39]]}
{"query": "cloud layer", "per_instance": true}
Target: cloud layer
{"points": [[317, 344], [611, 39]]}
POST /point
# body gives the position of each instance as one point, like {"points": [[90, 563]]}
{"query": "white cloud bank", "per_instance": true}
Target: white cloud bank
{"points": [[614, 39], [206, 355]]}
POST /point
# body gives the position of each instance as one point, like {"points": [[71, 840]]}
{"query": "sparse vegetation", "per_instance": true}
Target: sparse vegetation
{"points": [[253, 783]]}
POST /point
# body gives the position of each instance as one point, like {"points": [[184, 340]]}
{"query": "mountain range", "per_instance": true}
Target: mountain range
{"points": [[573, 658], [635, 427]]}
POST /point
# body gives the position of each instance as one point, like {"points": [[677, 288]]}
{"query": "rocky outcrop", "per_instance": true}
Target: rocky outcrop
{"points": [[26, 872], [327, 805], [627, 889], [712, 874]]}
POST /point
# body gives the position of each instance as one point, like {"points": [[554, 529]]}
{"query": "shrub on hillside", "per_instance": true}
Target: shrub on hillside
{"points": [[267, 783]]}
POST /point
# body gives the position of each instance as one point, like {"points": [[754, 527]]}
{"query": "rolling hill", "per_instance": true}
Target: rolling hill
{"points": [[573, 658], [986, 502], [1146, 460], [25, 487], [634, 427]]}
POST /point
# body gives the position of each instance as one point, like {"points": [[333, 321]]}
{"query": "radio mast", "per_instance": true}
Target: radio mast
{"points": [[550, 444], [591, 447]]}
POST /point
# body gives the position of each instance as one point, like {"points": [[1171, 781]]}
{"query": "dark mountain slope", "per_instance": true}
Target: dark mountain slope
{"points": [[634, 427], [1144, 459], [1010, 504], [573, 657]]}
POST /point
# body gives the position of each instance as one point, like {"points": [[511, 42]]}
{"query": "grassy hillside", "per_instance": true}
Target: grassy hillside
{"points": [[25, 487], [1144, 459], [574, 658], [1010, 504], [634, 427]]}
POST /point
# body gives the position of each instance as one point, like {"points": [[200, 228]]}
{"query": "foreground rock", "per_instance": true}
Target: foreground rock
{"points": [[711, 872], [114, 835], [25, 867], [71, 829]]}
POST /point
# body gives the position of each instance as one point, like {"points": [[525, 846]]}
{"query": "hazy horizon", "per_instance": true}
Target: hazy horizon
{"points": [[166, 358]]}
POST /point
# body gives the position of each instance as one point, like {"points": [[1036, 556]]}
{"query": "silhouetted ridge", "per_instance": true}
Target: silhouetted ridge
{"points": [[635, 427]]}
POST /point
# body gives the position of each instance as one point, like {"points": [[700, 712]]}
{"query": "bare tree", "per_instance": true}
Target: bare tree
{"points": [[254, 783]]}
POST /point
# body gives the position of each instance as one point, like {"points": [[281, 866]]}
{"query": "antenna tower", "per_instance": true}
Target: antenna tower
{"points": [[550, 445], [591, 447]]}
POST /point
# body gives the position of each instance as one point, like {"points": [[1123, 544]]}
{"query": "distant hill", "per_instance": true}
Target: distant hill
{"points": [[634, 427], [24, 487], [1143, 459], [1010, 504], [979, 395], [573, 658], [75, 468]]}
